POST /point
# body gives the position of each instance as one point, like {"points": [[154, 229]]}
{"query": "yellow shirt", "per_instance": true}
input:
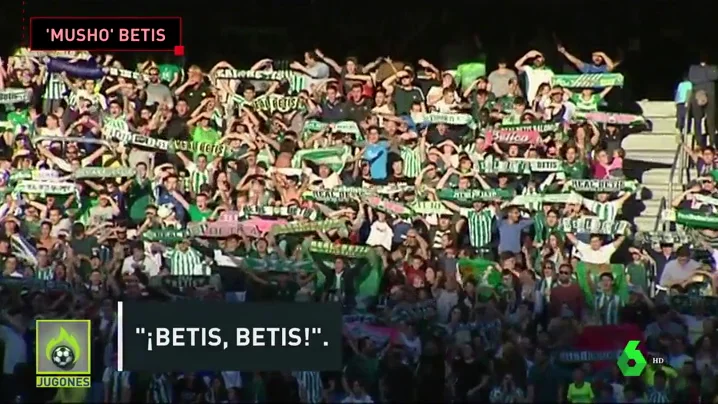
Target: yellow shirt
{"points": [[650, 372], [71, 395], [583, 394]]}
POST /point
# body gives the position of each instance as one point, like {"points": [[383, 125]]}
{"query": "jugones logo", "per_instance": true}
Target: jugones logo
{"points": [[63, 353]]}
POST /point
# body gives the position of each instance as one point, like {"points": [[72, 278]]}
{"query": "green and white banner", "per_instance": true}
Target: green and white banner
{"points": [[594, 225], [518, 166], [104, 172], [307, 227], [332, 157], [350, 127], [692, 219], [139, 140], [45, 187], [297, 82], [271, 103], [469, 196], [664, 237], [14, 96], [591, 80], [450, 119], [609, 185]]}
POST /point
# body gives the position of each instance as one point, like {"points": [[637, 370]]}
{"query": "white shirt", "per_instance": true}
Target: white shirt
{"points": [[64, 224], [534, 79], [15, 349], [674, 272], [591, 256], [232, 379], [380, 234], [151, 268]]}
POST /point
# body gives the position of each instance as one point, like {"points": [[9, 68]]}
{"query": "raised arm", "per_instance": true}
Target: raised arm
{"points": [[573, 59], [519, 65]]}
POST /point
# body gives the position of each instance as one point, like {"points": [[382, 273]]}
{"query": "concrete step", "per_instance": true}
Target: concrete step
{"points": [[656, 176], [645, 223], [655, 141], [657, 108], [652, 206], [651, 156], [663, 124], [656, 191]]}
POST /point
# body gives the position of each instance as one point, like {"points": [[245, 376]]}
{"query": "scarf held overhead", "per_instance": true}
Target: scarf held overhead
{"points": [[492, 165], [14, 96], [593, 225], [609, 185], [591, 80]]}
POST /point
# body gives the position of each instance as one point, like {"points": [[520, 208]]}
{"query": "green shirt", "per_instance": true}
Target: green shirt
{"points": [[18, 119], [586, 105], [575, 171], [167, 72], [205, 135], [197, 215], [467, 73], [638, 274]]}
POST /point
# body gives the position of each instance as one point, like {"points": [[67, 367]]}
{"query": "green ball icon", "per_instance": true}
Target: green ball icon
{"points": [[631, 352]]}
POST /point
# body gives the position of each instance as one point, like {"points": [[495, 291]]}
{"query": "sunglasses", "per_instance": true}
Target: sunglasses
{"points": [[564, 273]]}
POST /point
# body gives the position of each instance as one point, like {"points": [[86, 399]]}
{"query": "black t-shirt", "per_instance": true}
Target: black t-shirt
{"points": [[398, 381], [403, 99], [357, 112], [186, 392], [468, 376]]}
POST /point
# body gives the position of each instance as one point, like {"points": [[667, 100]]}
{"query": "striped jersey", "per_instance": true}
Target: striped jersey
{"points": [[198, 177], [604, 210], [55, 87], [310, 386], [412, 159], [657, 397], [116, 381], [186, 263], [45, 274], [607, 307], [160, 389], [533, 205], [481, 225], [111, 124]]}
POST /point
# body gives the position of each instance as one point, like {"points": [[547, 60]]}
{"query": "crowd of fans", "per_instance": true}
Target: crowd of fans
{"points": [[469, 220]]}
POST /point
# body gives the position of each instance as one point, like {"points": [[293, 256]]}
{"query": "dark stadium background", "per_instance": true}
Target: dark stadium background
{"points": [[658, 39]]}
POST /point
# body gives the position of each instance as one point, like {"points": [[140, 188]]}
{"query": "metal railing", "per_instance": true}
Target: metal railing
{"points": [[681, 167]]}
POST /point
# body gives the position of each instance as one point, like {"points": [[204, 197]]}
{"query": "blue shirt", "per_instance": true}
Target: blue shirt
{"points": [[684, 87], [510, 235], [377, 155], [164, 197], [588, 68]]}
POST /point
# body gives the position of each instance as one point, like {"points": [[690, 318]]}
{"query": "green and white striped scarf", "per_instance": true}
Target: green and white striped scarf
{"points": [[692, 219], [589, 80], [297, 82], [491, 165], [313, 126], [332, 157], [271, 103], [609, 185], [308, 227], [468, 196], [655, 238], [594, 225], [104, 172], [450, 119]]}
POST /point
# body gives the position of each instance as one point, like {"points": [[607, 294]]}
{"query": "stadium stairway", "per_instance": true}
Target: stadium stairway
{"points": [[650, 158]]}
